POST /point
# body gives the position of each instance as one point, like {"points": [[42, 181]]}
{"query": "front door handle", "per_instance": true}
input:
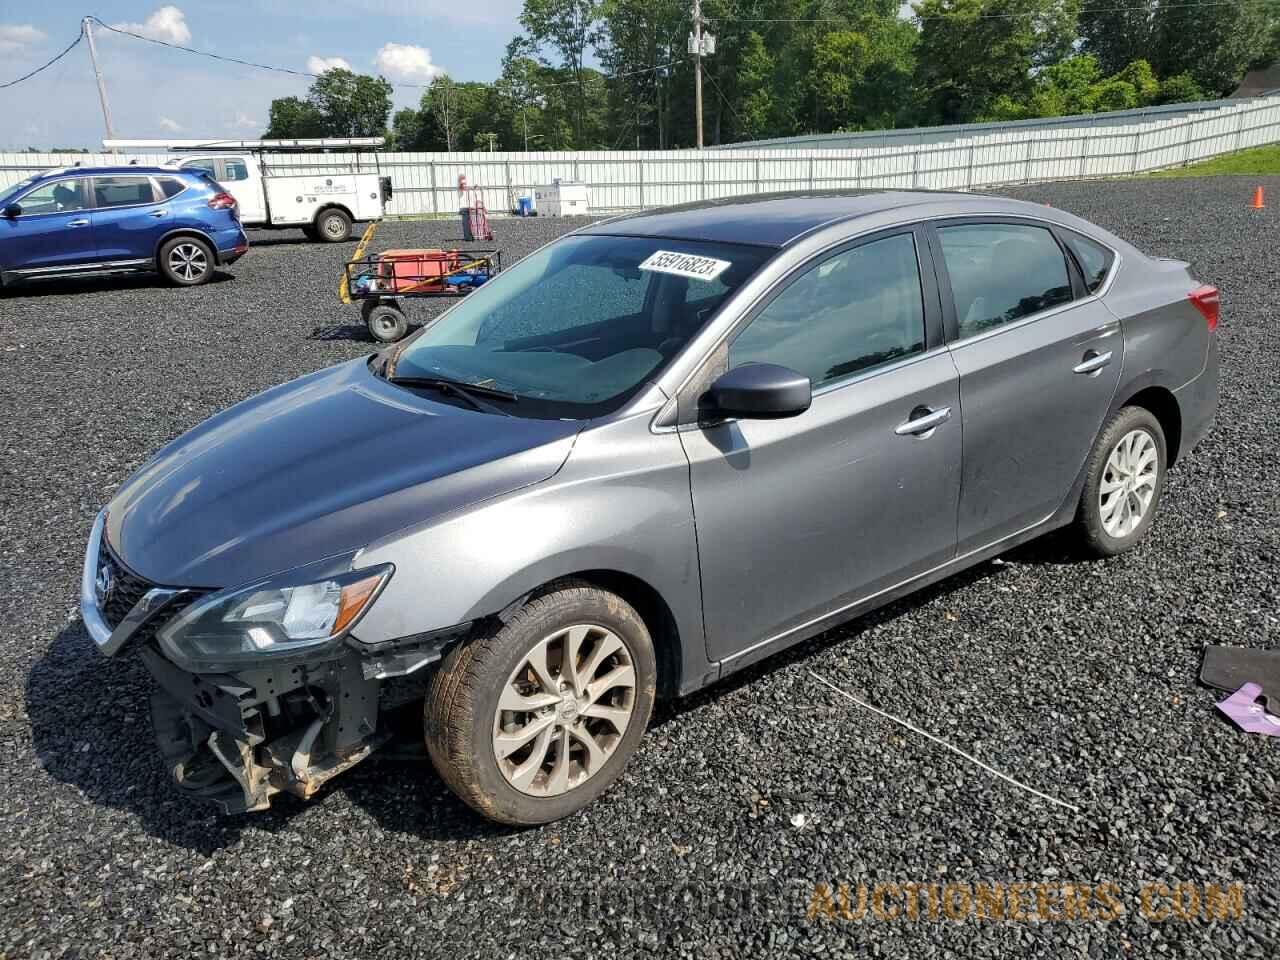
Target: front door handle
{"points": [[78, 223], [1093, 362], [922, 421], [159, 213]]}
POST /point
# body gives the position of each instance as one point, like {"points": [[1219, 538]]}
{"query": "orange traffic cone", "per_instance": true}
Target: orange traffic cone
{"points": [[1257, 200]]}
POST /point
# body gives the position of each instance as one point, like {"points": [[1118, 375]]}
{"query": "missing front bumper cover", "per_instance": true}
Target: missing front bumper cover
{"points": [[239, 740]]}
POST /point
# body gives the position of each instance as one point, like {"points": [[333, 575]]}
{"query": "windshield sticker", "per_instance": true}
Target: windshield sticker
{"points": [[685, 265]]}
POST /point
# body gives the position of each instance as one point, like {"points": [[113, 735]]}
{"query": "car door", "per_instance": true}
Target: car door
{"points": [[800, 518], [53, 230], [1039, 359], [129, 217]]}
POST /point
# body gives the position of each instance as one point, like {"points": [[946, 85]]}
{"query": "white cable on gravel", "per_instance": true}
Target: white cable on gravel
{"points": [[925, 733]]}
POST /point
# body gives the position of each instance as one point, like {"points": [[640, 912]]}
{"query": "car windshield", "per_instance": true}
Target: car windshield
{"points": [[576, 328]]}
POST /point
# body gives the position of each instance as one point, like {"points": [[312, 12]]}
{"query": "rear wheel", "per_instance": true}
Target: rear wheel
{"points": [[186, 261], [1124, 483], [333, 226], [386, 322], [533, 722]]}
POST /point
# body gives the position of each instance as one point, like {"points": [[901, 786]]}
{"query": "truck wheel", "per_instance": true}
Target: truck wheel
{"points": [[333, 226], [186, 261], [385, 321], [534, 721]]}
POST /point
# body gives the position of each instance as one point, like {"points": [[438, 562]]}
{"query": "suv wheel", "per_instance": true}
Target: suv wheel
{"points": [[534, 721], [333, 226], [186, 261], [1124, 483]]}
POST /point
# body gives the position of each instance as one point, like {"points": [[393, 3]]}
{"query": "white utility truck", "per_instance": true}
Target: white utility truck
{"points": [[323, 204]]}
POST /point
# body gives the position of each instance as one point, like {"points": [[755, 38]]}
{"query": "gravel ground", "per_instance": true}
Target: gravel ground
{"points": [[1077, 678]]}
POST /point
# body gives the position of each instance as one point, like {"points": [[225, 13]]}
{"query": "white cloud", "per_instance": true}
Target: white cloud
{"points": [[321, 64], [168, 24], [243, 121], [405, 62], [173, 126], [17, 36]]}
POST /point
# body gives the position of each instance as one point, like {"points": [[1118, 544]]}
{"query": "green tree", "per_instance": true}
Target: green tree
{"points": [[351, 105], [569, 27], [338, 104], [974, 52], [294, 119]]}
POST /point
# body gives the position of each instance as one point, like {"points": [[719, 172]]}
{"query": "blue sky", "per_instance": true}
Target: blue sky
{"points": [[156, 92]]}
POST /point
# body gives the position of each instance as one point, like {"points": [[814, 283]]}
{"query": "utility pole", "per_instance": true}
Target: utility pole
{"points": [[698, 65], [87, 25]]}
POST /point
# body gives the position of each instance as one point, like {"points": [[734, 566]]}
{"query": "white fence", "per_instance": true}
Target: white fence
{"points": [[1103, 145]]}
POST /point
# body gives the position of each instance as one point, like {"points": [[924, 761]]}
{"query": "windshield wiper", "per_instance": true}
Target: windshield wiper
{"points": [[464, 391]]}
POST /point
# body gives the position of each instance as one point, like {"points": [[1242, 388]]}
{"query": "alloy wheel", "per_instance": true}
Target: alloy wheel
{"points": [[1128, 483], [564, 709], [188, 261]]}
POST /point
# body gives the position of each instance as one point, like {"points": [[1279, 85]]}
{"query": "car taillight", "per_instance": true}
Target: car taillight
{"points": [[1205, 299], [222, 201]]}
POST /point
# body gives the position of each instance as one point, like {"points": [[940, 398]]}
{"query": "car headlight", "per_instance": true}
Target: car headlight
{"points": [[282, 616]]}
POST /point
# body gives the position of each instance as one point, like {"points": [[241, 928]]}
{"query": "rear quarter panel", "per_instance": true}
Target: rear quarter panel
{"points": [[1166, 339]]}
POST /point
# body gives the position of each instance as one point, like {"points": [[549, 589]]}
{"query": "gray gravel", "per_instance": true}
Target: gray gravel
{"points": [[1078, 678]]}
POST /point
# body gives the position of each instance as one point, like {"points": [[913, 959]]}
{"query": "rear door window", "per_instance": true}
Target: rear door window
{"points": [[122, 191], [1001, 272], [60, 196]]}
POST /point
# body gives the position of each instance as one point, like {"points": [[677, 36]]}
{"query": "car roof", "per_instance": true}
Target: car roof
{"points": [[776, 219], [118, 169]]}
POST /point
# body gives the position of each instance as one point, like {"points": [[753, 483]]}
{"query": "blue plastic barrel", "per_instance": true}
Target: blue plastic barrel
{"points": [[524, 206]]}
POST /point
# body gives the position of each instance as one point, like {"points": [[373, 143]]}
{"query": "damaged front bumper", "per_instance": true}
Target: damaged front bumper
{"points": [[284, 726], [238, 739]]}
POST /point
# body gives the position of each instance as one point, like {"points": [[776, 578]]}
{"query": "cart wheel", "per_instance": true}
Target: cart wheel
{"points": [[386, 322]]}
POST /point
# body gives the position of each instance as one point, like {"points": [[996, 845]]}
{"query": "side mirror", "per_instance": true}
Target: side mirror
{"points": [[758, 391], [12, 210]]}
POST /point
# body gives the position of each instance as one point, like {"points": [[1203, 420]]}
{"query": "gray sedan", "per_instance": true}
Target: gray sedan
{"points": [[653, 452]]}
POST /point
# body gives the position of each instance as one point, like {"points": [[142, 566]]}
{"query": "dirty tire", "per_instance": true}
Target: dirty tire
{"points": [[386, 323], [462, 702], [1092, 532], [333, 226]]}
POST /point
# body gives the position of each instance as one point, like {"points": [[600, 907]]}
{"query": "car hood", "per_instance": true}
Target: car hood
{"points": [[317, 467]]}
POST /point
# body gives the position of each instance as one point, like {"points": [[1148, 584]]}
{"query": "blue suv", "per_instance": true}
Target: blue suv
{"points": [[88, 220]]}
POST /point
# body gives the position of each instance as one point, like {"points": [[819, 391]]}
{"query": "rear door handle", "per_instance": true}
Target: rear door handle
{"points": [[1093, 362], [922, 421], [78, 223], [159, 213]]}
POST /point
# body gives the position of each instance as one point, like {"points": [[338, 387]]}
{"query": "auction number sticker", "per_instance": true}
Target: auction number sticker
{"points": [[685, 265]]}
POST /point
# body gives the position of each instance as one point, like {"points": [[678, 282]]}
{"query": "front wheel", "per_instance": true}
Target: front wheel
{"points": [[186, 261], [1124, 483], [534, 721]]}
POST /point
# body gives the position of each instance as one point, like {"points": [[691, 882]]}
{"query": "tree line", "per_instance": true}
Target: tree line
{"points": [[788, 67]]}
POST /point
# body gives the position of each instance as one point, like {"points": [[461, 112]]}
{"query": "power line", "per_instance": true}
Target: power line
{"points": [[315, 76], [27, 76]]}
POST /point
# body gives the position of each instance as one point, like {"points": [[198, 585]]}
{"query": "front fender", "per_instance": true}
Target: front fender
{"points": [[620, 504]]}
